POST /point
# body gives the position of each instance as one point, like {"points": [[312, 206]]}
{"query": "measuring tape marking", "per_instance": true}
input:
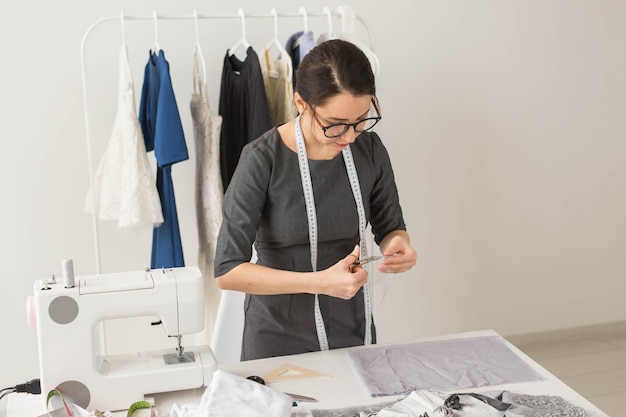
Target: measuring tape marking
{"points": [[305, 176]]}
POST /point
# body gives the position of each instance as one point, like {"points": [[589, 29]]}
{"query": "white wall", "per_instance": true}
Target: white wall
{"points": [[505, 122]]}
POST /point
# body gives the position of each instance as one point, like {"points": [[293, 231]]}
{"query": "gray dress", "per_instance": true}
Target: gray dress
{"points": [[264, 205]]}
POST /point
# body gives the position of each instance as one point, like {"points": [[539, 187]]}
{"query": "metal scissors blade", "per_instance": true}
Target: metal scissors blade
{"points": [[368, 260], [304, 398], [295, 397]]}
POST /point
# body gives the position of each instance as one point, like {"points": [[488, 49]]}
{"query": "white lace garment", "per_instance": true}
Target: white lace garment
{"points": [[124, 186]]}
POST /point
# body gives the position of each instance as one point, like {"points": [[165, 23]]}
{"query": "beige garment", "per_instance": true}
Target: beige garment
{"points": [[209, 191], [277, 78]]}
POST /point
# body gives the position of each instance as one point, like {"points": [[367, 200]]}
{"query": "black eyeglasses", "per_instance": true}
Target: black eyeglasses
{"points": [[337, 129]]}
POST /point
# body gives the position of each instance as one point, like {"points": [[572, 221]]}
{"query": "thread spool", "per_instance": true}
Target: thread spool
{"points": [[67, 266]]}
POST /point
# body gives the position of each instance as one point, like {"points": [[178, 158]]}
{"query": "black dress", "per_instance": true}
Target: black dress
{"points": [[243, 107], [265, 205]]}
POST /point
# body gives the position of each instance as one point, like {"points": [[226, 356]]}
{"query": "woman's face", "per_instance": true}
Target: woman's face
{"points": [[342, 108]]}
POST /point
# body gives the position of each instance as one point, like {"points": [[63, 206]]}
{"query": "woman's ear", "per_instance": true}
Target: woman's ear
{"points": [[301, 105]]}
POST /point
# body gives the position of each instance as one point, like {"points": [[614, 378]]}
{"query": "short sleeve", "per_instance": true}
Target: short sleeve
{"points": [[242, 209], [169, 138], [386, 212]]}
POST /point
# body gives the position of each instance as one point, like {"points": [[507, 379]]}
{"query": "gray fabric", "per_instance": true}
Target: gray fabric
{"points": [[356, 411], [540, 406], [423, 403], [515, 405], [264, 205], [444, 365]]}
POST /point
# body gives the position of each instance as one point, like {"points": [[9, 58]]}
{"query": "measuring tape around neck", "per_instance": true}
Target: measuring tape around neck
{"points": [[309, 199]]}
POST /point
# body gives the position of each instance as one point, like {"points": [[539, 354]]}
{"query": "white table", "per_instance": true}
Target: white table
{"points": [[341, 389]]}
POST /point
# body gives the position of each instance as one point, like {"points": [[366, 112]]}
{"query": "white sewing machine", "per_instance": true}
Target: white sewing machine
{"points": [[68, 315]]}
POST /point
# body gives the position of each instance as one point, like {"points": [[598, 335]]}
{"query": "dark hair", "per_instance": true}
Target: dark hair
{"points": [[333, 67]]}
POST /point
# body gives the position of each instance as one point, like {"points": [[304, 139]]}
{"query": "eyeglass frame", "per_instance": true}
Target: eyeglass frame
{"points": [[348, 125]]}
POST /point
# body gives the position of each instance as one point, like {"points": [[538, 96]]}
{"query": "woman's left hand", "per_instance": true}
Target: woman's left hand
{"points": [[401, 256]]}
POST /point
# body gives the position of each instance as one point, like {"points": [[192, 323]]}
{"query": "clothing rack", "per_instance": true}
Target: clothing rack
{"points": [[348, 23]]}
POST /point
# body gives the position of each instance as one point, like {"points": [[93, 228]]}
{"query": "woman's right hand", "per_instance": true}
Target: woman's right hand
{"points": [[343, 280]]}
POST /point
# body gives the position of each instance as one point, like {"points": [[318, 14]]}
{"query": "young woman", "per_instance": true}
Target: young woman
{"points": [[303, 194]]}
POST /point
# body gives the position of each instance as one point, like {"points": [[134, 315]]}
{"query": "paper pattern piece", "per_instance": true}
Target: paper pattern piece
{"points": [[288, 372]]}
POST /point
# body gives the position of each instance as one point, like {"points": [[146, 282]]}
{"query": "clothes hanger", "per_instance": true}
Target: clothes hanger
{"points": [[125, 46], [242, 42], [347, 33], [200, 72], [125, 49], [329, 18], [123, 26], [305, 16], [155, 47], [275, 41]]}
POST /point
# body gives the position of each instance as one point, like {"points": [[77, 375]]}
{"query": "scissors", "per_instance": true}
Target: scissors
{"points": [[367, 260], [296, 397]]}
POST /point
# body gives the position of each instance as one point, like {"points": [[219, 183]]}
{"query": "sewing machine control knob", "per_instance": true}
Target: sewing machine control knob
{"points": [[45, 282]]}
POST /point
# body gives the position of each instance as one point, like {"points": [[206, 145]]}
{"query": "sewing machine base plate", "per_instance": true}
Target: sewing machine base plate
{"points": [[175, 358]]}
